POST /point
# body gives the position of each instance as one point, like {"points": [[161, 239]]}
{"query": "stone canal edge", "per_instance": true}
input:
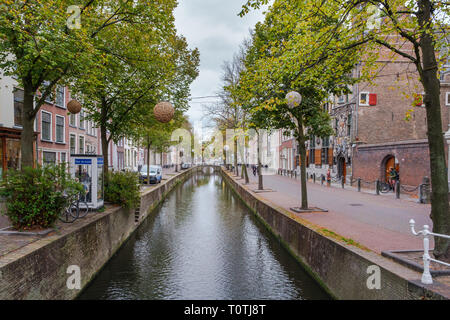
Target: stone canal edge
{"points": [[343, 270], [39, 269]]}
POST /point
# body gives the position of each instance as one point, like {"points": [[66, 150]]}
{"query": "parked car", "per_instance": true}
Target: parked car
{"points": [[155, 174], [185, 166]]}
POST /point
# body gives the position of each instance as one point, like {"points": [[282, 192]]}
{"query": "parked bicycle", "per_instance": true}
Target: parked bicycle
{"points": [[77, 208], [386, 187]]}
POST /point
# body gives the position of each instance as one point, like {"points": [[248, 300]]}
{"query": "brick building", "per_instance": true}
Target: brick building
{"points": [[52, 127], [383, 137]]}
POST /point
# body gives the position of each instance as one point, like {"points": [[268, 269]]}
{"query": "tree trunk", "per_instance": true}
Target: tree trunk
{"points": [[27, 135], [105, 143], [148, 160], [439, 194], [235, 156], [104, 138], [302, 149], [260, 178]]}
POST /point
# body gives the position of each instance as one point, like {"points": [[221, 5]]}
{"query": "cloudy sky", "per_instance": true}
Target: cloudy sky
{"points": [[213, 27]]}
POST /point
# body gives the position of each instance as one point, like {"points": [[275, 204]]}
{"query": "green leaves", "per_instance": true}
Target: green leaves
{"points": [[289, 52], [35, 197]]}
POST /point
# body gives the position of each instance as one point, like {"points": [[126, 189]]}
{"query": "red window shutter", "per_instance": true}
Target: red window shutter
{"points": [[372, 99]]}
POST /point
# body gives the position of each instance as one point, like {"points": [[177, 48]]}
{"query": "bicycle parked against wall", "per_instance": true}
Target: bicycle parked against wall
{"points": [[77, 208]]}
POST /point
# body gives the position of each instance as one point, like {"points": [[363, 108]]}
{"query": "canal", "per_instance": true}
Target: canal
{"points": [[202, 243]]}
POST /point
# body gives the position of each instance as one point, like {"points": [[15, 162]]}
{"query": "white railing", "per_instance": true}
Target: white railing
{"points": [[426, 276]]}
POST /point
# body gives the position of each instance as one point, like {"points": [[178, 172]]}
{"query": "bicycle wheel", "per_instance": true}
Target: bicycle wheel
{"points": [[385, 187], [69, 214], [83, 210]]}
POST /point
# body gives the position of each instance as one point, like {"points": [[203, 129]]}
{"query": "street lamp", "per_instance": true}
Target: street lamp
{"points": [[226, 148], [293, 99]]}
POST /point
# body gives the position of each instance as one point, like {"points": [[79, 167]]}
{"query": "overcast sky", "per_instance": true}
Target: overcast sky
{"points": [[213, 27]]}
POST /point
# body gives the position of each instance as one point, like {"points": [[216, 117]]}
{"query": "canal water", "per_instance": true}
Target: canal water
{"points": [[203, 243]]}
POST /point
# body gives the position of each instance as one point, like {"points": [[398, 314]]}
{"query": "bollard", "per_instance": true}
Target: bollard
{"points": [[397, 189], [322, 179], [359, 184], [314, 177], [295, 174], [377, 187], [424, 191], [342, 181]]}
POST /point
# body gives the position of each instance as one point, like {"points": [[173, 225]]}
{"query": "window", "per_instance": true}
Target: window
{"points": [[325, 148], [312, 146], [364, 99], [18, 107], [73, 120], [63, 158], [45, 84], [48, 158], [46, 126], [349, 124], [82, 121], [447, 98], [60, 122], [59, 101], [81, 145], [341, 99], [72, 142]]}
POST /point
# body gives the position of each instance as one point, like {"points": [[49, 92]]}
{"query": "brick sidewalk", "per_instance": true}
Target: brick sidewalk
{"points": [[379, 223]]}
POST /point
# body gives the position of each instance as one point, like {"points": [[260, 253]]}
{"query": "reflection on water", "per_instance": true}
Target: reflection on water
{"points": [[202, 243]]}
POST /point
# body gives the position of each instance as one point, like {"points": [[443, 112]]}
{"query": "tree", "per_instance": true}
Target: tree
{"points": [[40, 48], [155, 135], [141, 62], [422, 27], [271, 72], [229, 113]]}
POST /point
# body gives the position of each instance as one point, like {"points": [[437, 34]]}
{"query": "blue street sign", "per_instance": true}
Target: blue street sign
{"points": [[83, 161], [99, 160]]}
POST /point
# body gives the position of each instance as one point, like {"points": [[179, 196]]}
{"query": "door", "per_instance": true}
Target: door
{"points": [[342, 170], [390, 163]]}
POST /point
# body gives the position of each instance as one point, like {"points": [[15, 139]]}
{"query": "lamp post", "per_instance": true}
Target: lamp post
{"points": [[294, 99], [226, 148]]}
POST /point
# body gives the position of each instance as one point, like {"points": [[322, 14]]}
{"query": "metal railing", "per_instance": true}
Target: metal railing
{"points": [[426, 276], [379, 186]]}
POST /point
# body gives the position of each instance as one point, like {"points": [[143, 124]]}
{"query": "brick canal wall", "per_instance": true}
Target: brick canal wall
{"points": [[341, 269], [38, 270]]}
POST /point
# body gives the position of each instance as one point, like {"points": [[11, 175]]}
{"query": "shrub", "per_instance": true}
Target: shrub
{"points": [[35, 197], [123, 188]]}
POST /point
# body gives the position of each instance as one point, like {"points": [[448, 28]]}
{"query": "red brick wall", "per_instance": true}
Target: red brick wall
{"points": [[413, 161]]}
